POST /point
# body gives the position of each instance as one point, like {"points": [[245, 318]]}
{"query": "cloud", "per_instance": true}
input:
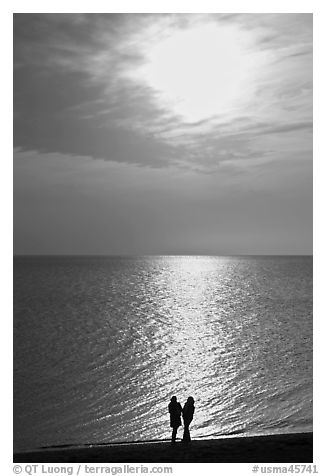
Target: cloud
{"points": [[284, 128], [76, 91]]}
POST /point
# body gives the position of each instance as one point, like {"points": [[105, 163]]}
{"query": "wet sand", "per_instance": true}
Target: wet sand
{"points": [[289, 448]]}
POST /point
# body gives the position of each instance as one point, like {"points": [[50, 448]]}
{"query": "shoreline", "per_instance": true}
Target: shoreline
{"points": [[280, 448]]}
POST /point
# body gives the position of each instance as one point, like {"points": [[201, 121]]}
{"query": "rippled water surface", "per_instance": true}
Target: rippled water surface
{"points": [[101, 344]]}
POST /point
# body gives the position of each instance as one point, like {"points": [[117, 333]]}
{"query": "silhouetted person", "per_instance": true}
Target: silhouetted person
{"points": [[187, 414], [175, 410]]}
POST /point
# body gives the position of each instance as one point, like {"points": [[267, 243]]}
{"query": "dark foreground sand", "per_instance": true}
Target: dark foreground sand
{"points": [[293, 448]]}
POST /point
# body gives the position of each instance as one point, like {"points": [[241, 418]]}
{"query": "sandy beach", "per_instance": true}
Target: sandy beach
{"points": [[287, 448]]}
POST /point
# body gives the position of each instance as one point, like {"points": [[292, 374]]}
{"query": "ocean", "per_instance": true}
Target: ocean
{"points": [[102, 343]]}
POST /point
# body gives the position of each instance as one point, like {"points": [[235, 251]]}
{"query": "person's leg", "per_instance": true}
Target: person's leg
{"points": [[174, 434], [186, 434]]}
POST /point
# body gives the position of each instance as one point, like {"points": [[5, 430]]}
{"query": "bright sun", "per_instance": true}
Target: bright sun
{"points": [[202, 71]]}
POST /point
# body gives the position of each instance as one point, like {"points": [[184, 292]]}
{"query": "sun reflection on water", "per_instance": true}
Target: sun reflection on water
{"points": [[196, 341]]}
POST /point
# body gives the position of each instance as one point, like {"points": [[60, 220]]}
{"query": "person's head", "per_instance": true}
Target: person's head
{"points": [[190, 400], [173, 399]]}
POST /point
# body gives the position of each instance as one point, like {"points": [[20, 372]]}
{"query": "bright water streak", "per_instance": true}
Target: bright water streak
{"points": [[101, 344]]}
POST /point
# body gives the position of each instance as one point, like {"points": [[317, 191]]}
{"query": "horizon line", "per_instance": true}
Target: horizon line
{"points": [[120, 255]]}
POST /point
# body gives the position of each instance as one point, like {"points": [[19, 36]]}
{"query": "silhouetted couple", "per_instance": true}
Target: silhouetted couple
{"points": [[187, 412]]}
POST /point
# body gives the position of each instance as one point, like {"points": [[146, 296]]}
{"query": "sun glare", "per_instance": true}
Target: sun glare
{"points": [[202, 71]]}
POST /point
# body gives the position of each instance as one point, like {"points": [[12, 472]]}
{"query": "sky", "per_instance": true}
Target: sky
{"points": [[163, 134]]}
